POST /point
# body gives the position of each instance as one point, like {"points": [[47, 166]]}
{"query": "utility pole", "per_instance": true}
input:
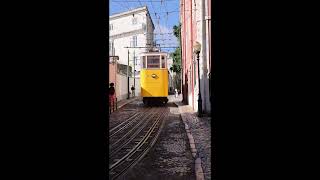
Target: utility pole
{"points": [[128, 77], [134, 69]]}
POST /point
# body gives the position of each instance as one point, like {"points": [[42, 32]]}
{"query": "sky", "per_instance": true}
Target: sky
{"points": [[164, 14]]}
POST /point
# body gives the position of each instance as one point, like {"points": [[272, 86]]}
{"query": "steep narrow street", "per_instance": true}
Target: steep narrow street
{"points": [[183, 141], [159, 53], [171, 156]]}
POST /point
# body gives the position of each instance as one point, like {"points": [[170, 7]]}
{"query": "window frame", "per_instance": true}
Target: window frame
{"points": [[144, 63], [159, 62], [134, 41], [163, 62]]}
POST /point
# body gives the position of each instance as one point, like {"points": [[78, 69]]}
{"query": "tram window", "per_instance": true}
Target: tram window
{"points": [[153, 62], [163, 62], [144, 62]]}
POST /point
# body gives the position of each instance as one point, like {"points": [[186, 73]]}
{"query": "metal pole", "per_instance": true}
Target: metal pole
{"points": [[181, 72], [134, 70], [199, 96], [128, 77], [115, 79]]}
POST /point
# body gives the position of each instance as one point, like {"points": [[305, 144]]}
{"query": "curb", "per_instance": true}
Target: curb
{"points": [[198, 167]]}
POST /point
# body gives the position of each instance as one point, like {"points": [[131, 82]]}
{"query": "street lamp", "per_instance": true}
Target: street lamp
{"points": [[196, 50]]}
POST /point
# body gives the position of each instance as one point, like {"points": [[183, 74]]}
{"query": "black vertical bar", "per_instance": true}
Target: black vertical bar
{"points": [[128, 76], [199, 95]]}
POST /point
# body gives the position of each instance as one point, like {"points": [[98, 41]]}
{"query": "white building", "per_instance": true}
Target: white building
{"points": [[130, 29], [133, 29]]}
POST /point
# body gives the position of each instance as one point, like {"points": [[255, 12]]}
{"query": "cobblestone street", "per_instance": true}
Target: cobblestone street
{"points": [[171, 157], [183, 149]]}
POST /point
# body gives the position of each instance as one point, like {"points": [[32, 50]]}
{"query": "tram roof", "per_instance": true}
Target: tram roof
{"points": [[154, 53]]}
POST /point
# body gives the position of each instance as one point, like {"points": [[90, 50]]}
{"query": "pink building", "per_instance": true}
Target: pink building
{"points": [[195, 17], [113, 74]]}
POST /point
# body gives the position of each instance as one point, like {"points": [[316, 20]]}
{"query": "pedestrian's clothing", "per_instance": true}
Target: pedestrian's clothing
{"points": [[176, 93], [111, 95], [132, 89], [111, 90], [111, 99]]}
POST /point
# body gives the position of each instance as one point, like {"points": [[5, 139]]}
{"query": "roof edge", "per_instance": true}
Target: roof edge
{"points": [[128, 12], [114, 16]]}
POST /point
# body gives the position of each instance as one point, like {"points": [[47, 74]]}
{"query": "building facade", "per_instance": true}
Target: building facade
{"points": [[130, 33], [195, 18], [132, 29], [171, 74]]}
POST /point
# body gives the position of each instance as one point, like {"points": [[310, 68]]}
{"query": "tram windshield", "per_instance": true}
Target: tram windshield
{"points": [[153, 61]]}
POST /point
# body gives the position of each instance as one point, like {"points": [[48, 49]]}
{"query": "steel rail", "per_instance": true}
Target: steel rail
{"points": [[131, 119], [139, 145], [144, 121]]}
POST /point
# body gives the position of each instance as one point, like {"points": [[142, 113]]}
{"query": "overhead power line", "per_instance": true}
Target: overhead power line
{"points": [[149, 47], [143, 1], [157, 15]]}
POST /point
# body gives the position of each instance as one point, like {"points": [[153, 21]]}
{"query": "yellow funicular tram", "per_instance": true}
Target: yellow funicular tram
{"points": [[154, 77]]}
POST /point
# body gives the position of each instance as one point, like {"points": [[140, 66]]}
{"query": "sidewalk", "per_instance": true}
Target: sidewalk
{"points": [[199, 134], [124, 102]]}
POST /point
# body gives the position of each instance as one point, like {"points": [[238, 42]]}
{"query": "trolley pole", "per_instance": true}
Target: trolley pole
{"points": [[128, 77]]}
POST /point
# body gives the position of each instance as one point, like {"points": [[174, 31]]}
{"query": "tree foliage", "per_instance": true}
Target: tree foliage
{"points": [[177, 31], [176, 55]]}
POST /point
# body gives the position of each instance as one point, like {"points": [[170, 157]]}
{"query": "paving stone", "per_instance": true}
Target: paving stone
{"points": [[200, 130], [171, 157]]}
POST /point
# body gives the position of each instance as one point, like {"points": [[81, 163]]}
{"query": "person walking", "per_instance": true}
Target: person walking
{"points": [[132, 90], [111, 95], [176, 93]]}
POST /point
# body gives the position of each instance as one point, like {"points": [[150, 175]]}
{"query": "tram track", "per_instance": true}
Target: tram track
{"points": [[114, 125], [131, 134], [125, 124], [137, 142]]}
